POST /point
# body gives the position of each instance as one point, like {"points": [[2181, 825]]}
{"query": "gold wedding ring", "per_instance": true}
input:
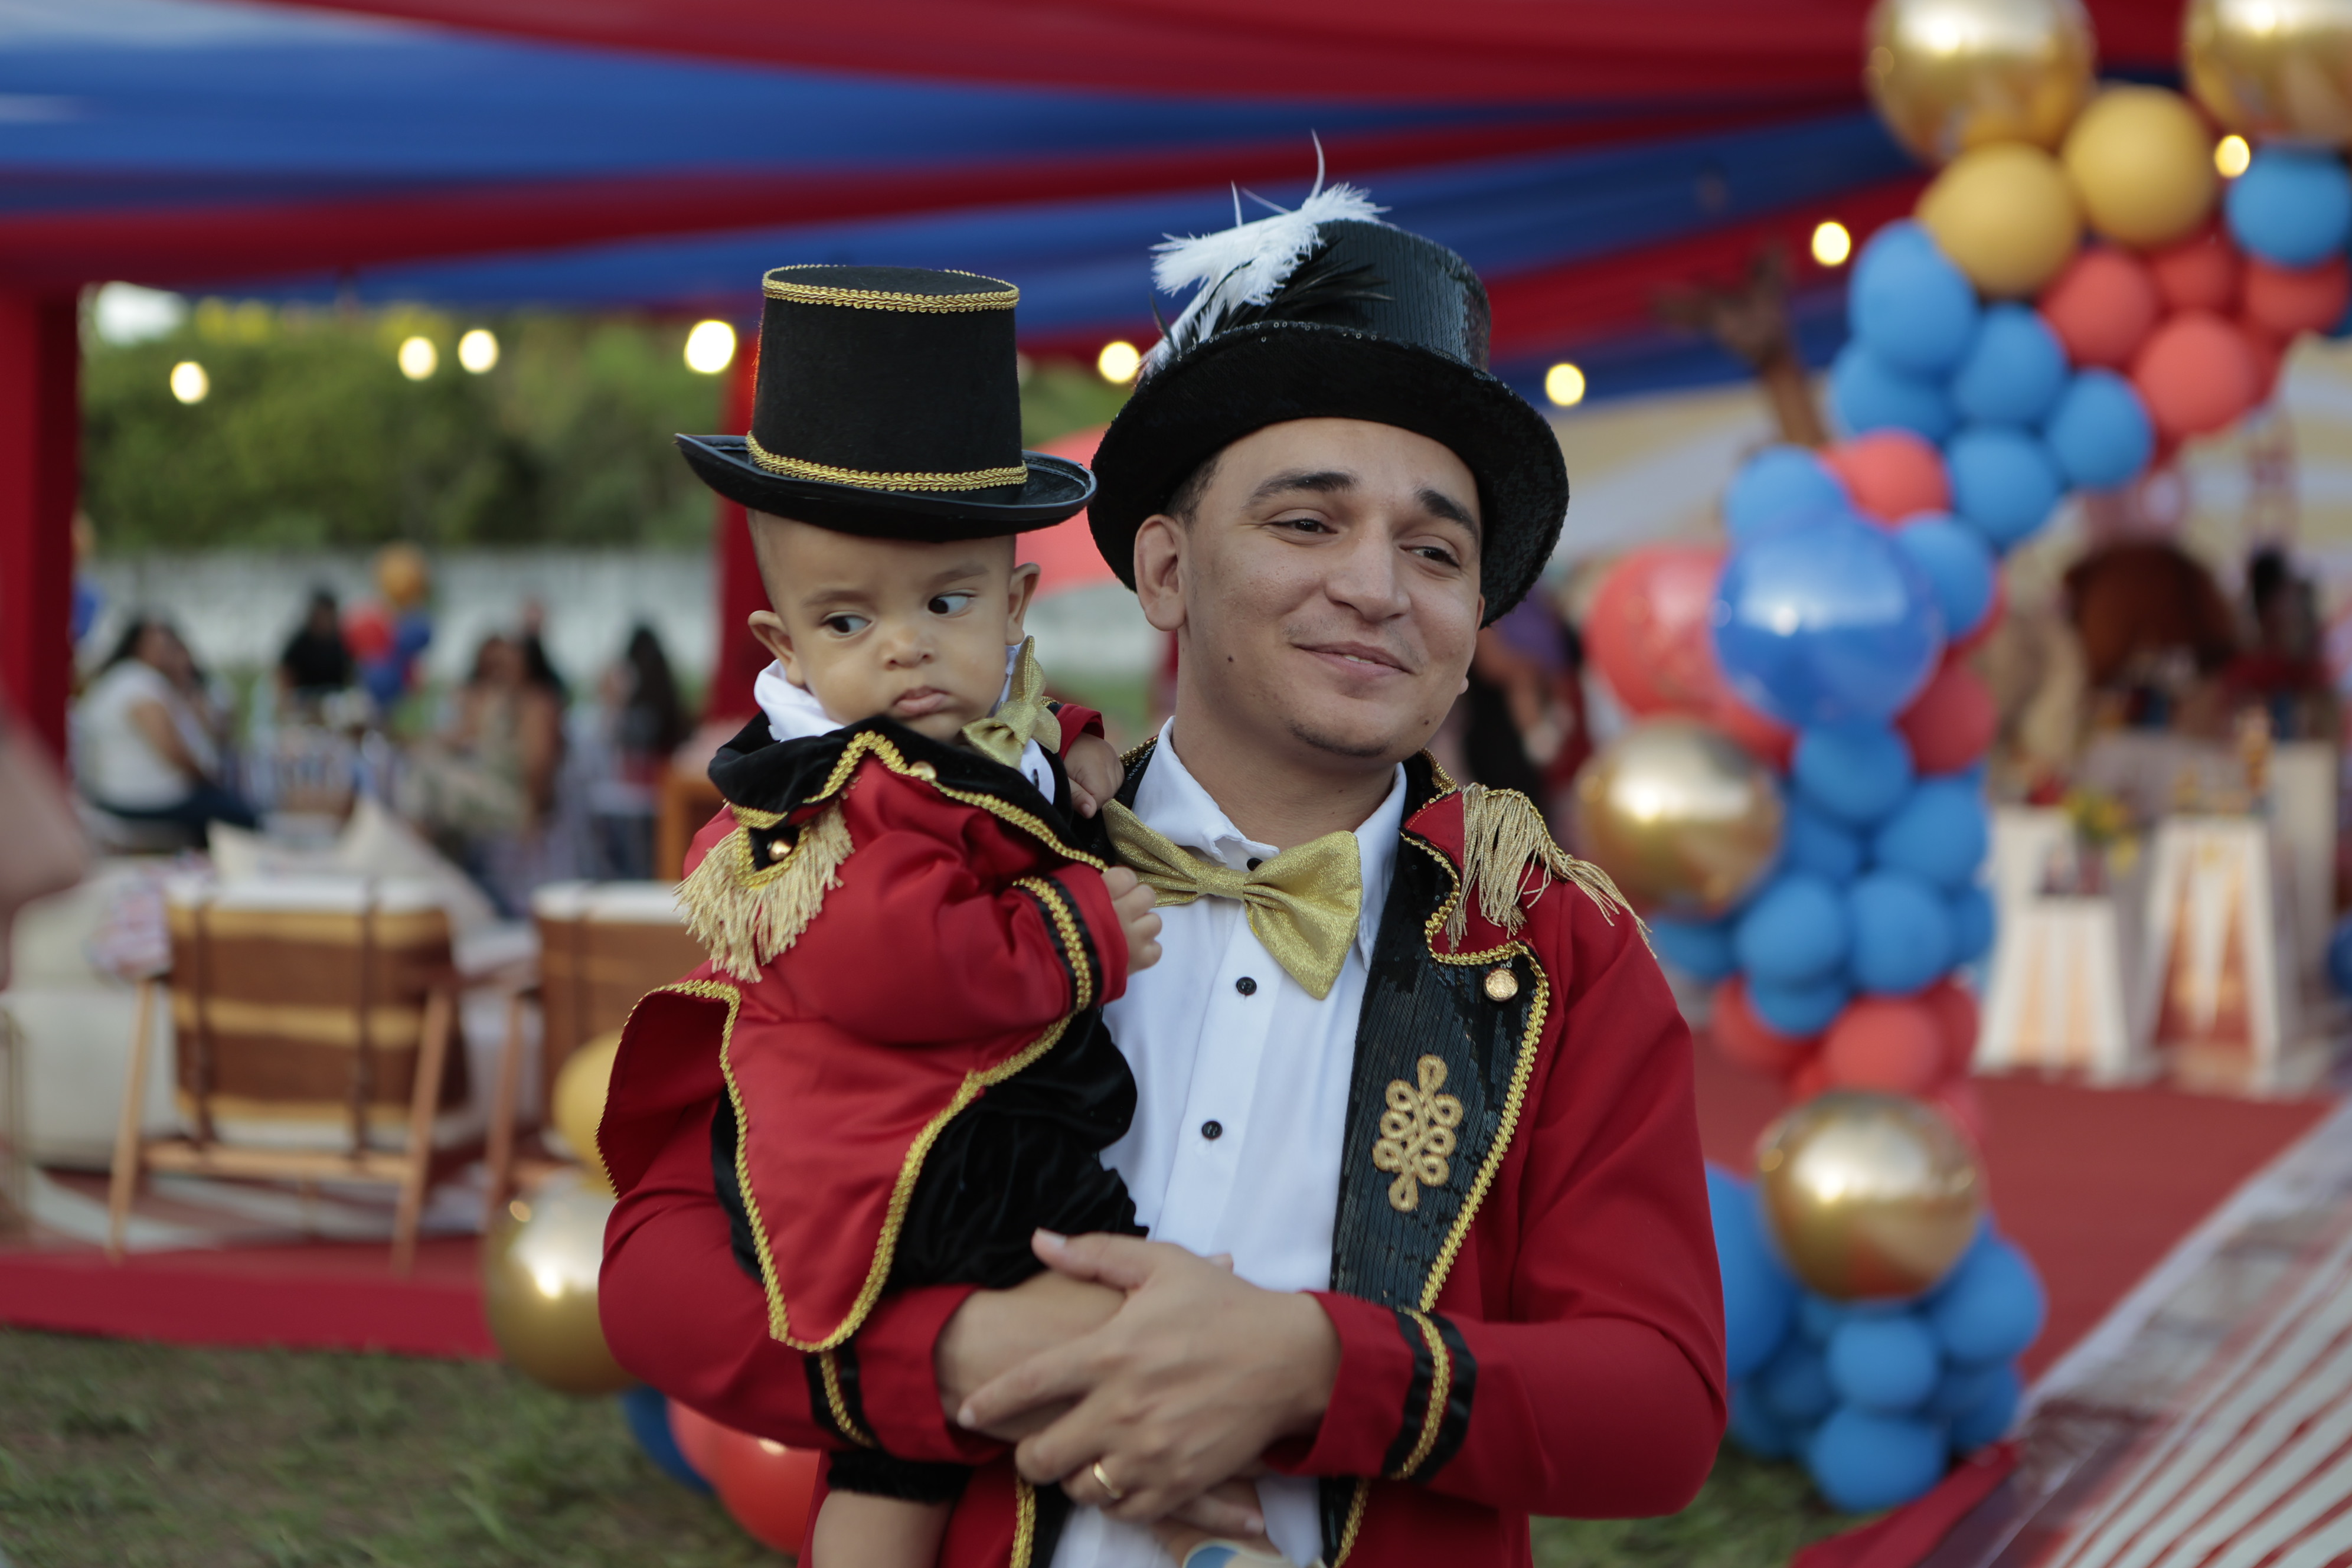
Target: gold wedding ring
{"points": [[1103, 1481]]}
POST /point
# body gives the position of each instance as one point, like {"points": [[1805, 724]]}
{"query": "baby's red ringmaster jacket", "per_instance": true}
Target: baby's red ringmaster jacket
{"points": [[896, 926]]}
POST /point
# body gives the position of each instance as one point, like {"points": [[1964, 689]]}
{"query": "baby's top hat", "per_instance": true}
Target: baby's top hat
{"points": [[887, 402]]}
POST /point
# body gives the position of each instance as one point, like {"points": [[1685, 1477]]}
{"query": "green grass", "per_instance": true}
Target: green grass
{"points": [[133, 1456]]}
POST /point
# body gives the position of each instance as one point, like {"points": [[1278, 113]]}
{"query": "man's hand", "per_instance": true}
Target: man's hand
{"points": [[1197, 1374], [1134, 903], [995, 1331], [1095, 773]]}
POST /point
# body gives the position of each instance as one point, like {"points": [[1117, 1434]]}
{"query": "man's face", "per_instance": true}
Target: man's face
{"points": [[1326, 589], [911, 630]]}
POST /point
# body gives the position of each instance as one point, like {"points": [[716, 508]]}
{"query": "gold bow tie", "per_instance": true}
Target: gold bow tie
{"points": [[1302, 904], [1023, 716]]}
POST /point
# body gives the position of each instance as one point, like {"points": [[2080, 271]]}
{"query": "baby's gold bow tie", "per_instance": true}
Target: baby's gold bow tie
{"points": [[1023, 716], [1302, 904]]}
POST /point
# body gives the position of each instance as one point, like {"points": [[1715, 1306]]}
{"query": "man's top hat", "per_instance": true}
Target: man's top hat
{"points": [[1325, 312], [887, 402]]}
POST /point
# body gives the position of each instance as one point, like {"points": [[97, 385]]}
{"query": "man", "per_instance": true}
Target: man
{"points": [[1406, 1067]]}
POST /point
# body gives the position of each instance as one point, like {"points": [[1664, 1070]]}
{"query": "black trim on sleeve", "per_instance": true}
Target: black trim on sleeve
{"points": [[1454, 1425], [1416, 1417]]}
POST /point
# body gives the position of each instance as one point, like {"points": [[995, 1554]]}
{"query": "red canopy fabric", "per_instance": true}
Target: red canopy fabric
{"points": [[1494, 51]]}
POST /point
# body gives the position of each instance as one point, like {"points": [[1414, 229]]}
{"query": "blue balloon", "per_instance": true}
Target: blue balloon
{"points": [[1700, 948], [1902, 933], [1799, 1011], [2004, 481], [2099, 432], [1755, 1428], [2340, 953], [412, 634], [1961, 1388], [1884, 1363], [1795, 1384], [1940, 832], [1867, 393], [2293, 207], [1819, 1318], [647, 1414], [1759, 1298], [1826, 623], [1909, 305], [1973, 915], [2013, 372], [1989, 1419], [1864, 1462], [1777, 484], [1810, 840], [1792, 931], [1958, 565], [1855, 773], [1992, 1307]]}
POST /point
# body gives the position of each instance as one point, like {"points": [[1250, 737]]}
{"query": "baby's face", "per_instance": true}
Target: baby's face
{"points": [[916, 631]]}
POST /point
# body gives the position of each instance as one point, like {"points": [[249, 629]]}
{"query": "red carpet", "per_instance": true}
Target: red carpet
{"points": [[327, 1296], [2096, 1185]]}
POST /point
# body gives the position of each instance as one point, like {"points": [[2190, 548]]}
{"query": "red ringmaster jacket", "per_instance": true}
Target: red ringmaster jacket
{"points": [[1537, 1331]]}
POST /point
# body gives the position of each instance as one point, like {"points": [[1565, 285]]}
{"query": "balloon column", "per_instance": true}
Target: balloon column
{"points": [[1886, 1342], [386, 638]]}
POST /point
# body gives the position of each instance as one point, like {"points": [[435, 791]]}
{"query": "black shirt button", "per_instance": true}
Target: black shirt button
{"points": [[1246, 986], [1212, 1129]]}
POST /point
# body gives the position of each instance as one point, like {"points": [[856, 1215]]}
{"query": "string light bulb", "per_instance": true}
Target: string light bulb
{"points": [[710, 347], [189, 381], [1831, 243], [1564, 386], [1119, 361], [418, 358], [2233, 156], [478, 351]]}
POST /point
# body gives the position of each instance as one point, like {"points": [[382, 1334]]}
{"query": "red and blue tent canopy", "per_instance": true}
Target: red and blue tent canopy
{"points": [[662, 153]]}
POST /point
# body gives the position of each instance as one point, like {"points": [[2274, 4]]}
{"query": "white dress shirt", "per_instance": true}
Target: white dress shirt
{"points": [[1242, 1107]]}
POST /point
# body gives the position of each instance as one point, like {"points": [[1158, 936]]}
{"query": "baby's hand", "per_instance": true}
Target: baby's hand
{"points": [[1133, 901], [1096, 772]]}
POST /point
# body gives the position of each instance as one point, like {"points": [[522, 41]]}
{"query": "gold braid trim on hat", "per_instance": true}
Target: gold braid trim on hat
{"points": [[1004, 297], [744, 913], [800, 469], [1504, 838]]}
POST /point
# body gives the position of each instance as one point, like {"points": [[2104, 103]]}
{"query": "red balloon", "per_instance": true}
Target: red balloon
{"points": [[2284, 301], [2197, 373], [367, 632], [2270, 357], [767, 1487], [2199, 274], [1810, 1080], [1955, 1007], [2103, 307], [1882, 1043], [697, 1438], [1891, 474], [1647, 630], [1950, 723], [1748, 1040]]}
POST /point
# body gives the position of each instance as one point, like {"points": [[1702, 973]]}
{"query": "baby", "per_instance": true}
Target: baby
{"points": [[910, 901]]}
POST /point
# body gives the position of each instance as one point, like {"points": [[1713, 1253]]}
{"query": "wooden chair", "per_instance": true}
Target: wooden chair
{"points": [[312, 1023], [602, 947]]}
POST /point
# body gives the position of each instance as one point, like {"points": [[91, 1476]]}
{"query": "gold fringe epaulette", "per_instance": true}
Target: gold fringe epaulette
{"points": [[745, 913], [1504, 841]]}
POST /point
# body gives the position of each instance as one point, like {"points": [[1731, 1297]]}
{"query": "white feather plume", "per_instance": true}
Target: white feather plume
{"points": [[1245, 265]]}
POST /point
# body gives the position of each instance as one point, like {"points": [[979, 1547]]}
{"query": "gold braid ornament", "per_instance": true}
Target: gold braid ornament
{"points": [[1302, 904], [1504, 838], [1417, 1135], [743, 913], [1023, 716]]}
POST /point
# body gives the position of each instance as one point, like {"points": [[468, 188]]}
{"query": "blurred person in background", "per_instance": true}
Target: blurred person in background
{"points": [[2283, 669], [148, 737], [316, 661], [538, 669], [1524, 709], [644, 721], [43, 851], [485, 785]]}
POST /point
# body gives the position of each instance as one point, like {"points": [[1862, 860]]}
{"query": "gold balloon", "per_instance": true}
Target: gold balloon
{"points": [[1949, 75], [2272, 68], [538, 1288], [1869, 1196], [1680, 815], [2005, 216], [2142, 161], [580, 1090], [402, 575]]}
